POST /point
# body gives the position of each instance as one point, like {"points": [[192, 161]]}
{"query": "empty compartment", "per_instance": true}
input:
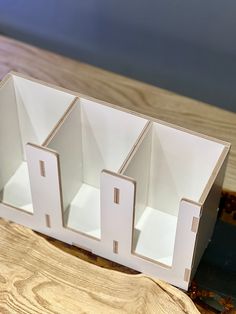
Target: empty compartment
{"points": [[93, 137], [28, 113], [168, 165]]}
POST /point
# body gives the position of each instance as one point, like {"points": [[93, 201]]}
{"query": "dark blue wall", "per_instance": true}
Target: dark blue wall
{"points": [[187, 46]]}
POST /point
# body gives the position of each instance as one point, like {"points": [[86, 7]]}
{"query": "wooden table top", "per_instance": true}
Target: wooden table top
{"points": [[36, 277], [122, 91]]}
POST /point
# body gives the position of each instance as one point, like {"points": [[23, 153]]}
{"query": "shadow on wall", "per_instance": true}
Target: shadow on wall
{"points": [[185, 46]]}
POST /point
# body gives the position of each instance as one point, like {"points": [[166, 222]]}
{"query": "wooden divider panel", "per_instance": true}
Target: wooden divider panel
{"points": [[44, 176], [117, 210]]}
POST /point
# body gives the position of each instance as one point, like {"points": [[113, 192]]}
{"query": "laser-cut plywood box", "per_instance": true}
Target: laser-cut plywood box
{"points": [[135, 190]]}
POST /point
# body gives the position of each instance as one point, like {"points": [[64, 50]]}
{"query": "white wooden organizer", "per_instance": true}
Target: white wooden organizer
{"points": [[135, 190]]}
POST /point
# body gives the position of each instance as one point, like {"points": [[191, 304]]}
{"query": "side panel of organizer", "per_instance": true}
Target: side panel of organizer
{"points": [[29, 111]]}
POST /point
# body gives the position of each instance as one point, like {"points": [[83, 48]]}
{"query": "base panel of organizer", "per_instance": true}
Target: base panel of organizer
{"points": [[83, 215], [17, 191], [154, 235]]}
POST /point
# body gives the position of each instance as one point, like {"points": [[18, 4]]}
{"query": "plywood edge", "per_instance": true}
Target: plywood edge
{"points": [[17, 208], [101, 102], [119, 175], [150, 260], [60, 185], [84, 234], [155, 120], [135, 147], [32, 79], [43, 148], [191, 132], [60, 122], [216, 170], [187, 200]]}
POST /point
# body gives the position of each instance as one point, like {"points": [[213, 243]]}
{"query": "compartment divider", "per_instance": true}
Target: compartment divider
{"points": [[139, 141], [61, 140], [60, 122]]}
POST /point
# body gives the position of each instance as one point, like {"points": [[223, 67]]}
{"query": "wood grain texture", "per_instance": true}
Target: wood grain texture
{"points": [[36, 277], [122, 91]]}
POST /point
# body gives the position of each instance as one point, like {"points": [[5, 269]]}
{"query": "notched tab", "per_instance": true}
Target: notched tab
{"points": [[116, 196], [187, 274], [42, 168], [195, 224], [115, 247], [48, 221]]}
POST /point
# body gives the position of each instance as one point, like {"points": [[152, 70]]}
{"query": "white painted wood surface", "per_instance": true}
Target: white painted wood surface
{"points": [[67, 141], [39, 107], [116, 217], [45, 189], [16, 191], [108, 137], [10, 141], [135, 190]]}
